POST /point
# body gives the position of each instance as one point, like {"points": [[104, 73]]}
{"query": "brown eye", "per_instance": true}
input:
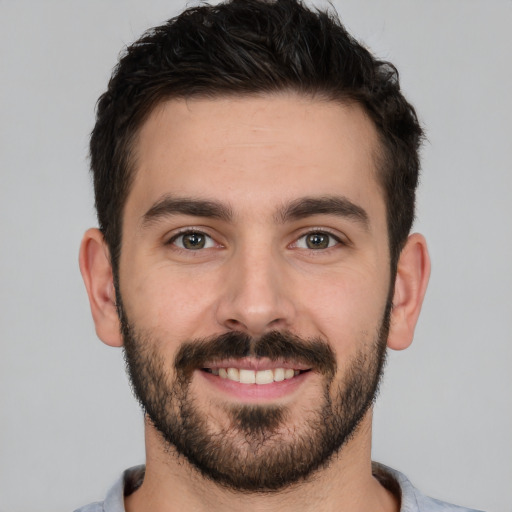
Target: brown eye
{"points": [[317, 240], [193, 241]]}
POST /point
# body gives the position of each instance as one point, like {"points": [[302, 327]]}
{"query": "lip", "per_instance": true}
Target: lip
{"points": [[256, 364], [255, 393]]}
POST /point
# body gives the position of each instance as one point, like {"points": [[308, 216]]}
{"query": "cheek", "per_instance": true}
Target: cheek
{"points": [[171, 303], [345, 307]]}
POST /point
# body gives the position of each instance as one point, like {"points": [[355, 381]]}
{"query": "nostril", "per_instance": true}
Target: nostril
{"points": [[254, 328], [234, 324]]}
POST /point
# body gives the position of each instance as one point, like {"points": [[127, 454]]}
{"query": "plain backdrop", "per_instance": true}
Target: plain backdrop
{"points": [[68, 422]]}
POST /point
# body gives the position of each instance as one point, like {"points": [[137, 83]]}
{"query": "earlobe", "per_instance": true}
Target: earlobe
{"points": [[411, 282], [97, 274]]}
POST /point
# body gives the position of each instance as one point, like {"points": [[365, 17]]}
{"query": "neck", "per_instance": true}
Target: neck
{"points": [[346, 483]]}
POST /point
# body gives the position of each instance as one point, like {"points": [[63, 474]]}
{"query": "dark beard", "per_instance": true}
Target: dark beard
{"points": [[258, 452]]}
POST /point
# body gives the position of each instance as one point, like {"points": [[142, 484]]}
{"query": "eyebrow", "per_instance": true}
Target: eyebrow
{"points": [[339, 206], [295, 210], [169, 206]]}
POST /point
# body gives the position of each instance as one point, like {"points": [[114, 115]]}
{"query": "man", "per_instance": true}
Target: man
{"points": [[255, 172]]}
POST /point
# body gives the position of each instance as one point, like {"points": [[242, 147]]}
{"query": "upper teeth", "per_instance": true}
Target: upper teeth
{"points": [[255, 377]]}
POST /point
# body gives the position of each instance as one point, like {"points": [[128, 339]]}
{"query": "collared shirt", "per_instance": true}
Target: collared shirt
{"points": [[411, 499]]}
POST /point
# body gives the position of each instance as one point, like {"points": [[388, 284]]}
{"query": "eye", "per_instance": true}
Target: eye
{"points": [[317, 240], [192, 241]]}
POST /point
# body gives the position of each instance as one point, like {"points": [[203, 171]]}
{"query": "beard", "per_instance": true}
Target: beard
{"points": [[257, 448]]}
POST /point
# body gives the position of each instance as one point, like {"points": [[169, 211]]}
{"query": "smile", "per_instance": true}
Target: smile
{"points": [[247, 376], [256, 380]]}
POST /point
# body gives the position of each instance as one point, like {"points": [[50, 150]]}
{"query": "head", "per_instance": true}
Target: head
{"points": [[255, 171]]}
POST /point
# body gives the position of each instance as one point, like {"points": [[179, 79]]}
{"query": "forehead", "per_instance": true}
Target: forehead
{"points": [[266, 148]]}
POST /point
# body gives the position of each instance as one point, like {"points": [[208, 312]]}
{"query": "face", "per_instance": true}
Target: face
{"points": [[254, 282]]}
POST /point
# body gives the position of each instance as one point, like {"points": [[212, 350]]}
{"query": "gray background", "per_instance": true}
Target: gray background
{"points": [[68, 422]]}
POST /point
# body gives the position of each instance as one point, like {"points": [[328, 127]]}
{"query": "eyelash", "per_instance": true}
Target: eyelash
{"points": [[322, 232], [174, 238]]}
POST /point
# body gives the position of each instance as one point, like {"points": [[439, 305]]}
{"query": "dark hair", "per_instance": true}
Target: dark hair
{"points": [[244, 47]]}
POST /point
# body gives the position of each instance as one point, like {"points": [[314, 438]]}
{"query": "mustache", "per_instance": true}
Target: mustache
{"points": [[274, 345]]}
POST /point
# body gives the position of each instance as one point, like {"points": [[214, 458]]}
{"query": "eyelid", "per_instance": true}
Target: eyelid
{"points": [[340, 238], [189, 231]]}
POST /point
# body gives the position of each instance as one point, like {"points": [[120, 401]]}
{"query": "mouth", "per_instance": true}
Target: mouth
{"points": [[256, 379], [260, 377]]}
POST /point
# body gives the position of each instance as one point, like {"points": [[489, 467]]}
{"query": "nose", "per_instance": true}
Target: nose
{"points": [[256, 296]]}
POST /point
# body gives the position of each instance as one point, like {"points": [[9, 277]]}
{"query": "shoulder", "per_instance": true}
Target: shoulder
{"points": [[130, 481], [92, 507], [426, 504], [412, 500]]}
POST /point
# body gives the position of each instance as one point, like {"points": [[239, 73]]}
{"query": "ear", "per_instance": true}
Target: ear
{"points": [[98, 278], [411, 282]]}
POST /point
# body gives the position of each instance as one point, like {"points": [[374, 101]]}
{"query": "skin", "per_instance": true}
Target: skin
{"points": [[255, 155]]}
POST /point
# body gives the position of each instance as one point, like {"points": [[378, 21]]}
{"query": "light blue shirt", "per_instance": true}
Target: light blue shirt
{"points": [[412, 500]]}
